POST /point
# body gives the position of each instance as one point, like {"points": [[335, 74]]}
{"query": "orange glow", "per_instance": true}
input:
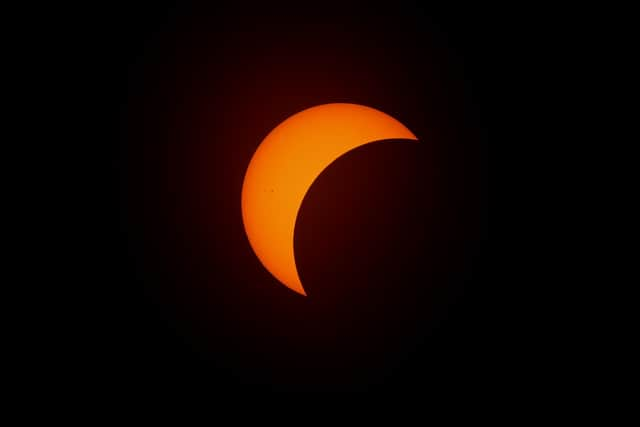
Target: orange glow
{"points": [[285, 165]]}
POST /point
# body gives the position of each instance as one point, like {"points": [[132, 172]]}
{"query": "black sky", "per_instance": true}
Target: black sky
{"points": [[392, 242]]}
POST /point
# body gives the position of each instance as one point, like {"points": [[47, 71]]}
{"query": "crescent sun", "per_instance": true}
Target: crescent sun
{"points": [[286, 164]]}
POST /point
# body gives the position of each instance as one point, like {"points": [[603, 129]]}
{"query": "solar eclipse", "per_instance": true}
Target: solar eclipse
{"points": [[286, 164]]}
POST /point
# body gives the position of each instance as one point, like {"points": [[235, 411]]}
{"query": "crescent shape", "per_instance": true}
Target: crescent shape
{"points": [[285, 165]]}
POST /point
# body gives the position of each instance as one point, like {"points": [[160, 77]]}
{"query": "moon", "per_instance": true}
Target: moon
{"points": [[286, 164]]}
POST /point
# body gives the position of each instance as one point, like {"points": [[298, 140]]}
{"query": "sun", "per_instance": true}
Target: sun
{"points": [[286, 164]]}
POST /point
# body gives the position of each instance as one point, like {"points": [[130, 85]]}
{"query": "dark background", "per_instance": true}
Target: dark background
{"points": [[392, 241]]}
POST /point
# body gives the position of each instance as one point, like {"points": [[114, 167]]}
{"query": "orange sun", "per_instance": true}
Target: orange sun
{"points": [[285, 165]]}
